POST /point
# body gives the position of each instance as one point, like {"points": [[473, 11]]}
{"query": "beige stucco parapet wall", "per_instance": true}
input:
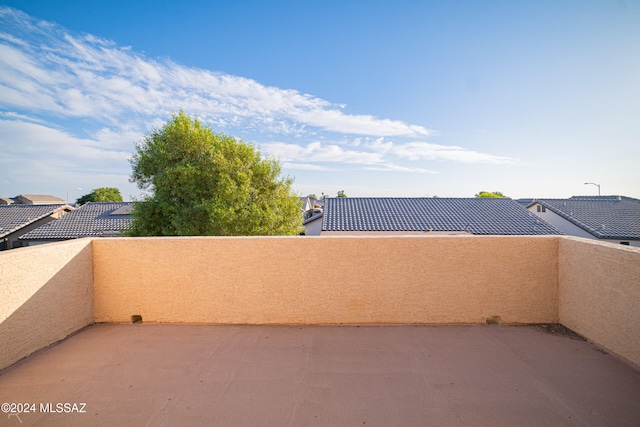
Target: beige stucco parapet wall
{"points": [[46, 294], [600, 294], [327, 280]]}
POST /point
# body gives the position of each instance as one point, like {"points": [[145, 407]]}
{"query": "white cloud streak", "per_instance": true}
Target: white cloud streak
{"points": [[317, 152], [376, 155], [33, 141], [426, 151], [45, 68], [304, 166]]}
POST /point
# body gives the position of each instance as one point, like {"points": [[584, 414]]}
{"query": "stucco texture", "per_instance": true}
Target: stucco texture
{"points": [[327, 280], [46, 294], [600, 294]]}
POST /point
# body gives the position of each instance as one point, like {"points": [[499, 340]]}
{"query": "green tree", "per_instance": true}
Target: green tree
{"points": [[102, 194], [488, 195], [341, 193], [209, 184]]}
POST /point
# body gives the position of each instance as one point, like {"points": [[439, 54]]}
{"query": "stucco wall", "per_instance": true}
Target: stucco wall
{"points": [[600, 294], [45, 294], [305, 280]]}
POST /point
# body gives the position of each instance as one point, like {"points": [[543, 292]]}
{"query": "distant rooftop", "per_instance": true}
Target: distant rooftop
{"points": [[92, 219], [606, 217], [16, 216], [32, 199], [471, 215]]}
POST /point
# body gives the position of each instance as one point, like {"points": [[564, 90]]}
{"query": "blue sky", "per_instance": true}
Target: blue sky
{"points": [[395, 98]]}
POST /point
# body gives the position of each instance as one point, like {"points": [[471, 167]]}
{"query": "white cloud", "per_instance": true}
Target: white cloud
{"points": [[426, 151], [390, 167], [33, 141], [21, 117], [304, 166], [378, 155], [317, 152], [122, 139], [85, 76]]}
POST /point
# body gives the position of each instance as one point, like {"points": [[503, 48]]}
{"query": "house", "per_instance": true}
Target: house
{"points": [[477, 216], [307, 203], [313, 223], [614, 219], [312, 215], [18, 219], [32, 199], [91, 220]]}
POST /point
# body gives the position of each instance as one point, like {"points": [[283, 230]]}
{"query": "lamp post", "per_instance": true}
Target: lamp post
{"points": [[593, 183], [79, 188]]}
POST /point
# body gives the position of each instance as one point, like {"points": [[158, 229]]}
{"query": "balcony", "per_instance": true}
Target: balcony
{"points": [[322, 331]]}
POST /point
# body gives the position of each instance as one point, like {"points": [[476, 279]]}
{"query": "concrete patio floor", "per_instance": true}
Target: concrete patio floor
{"points": [[201, 375]]}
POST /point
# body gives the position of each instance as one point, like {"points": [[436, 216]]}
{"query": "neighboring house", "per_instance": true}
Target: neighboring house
{"points": [[313, 224], [32, 199], [90, 220], [311, 206], [18, 219], [614, 219], [307, 204], [312, 215], [446, 216]]}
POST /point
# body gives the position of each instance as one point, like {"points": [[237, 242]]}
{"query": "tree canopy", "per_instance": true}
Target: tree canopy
{"points": [[341, 193], [102, 194], [491, 195], [210, 184]]}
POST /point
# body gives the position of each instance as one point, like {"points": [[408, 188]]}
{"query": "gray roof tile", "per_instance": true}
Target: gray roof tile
{"points": [[605, 217], [15, 217], [92, 219], [473, 215]]}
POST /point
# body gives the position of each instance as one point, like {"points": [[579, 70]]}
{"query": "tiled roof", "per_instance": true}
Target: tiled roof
{"points": [[92, 219], [605, 217], [473, 215], [15, 217], [524, 202]]}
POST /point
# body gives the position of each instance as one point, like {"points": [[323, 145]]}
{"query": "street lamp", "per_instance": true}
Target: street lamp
{"points": [[593, 183], [78, 188]]}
